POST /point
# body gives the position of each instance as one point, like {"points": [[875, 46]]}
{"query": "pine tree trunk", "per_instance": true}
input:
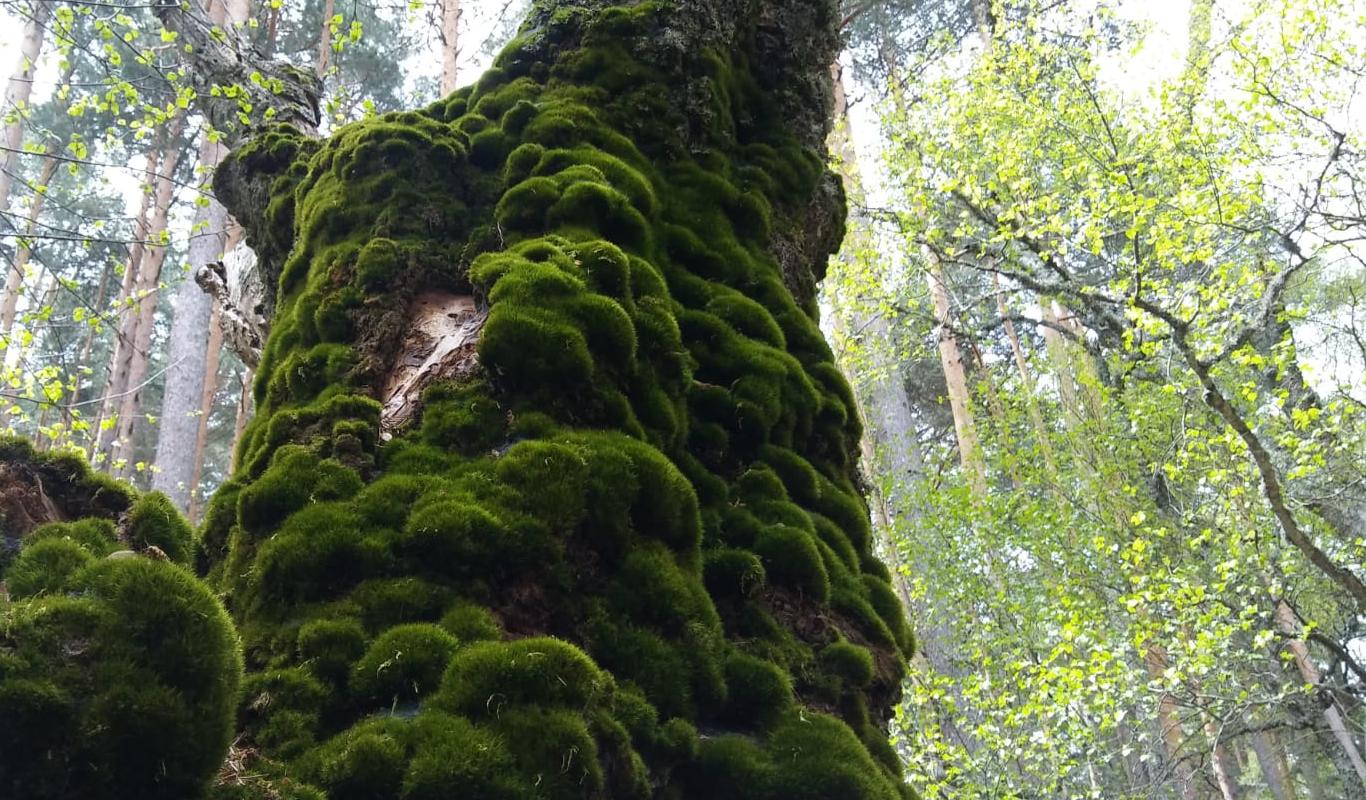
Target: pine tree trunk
{"points": [[194, 338], [956, 380], [210, 390], [188, 355], [17, 93], [122, 307], [133, 352], [14, 281], [1342, 749], [1273, 764], [450, 45], [325, 38]]}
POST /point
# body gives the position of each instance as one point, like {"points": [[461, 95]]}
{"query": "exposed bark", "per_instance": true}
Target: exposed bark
{"points": [[223, 56], [1343, 750], [133, 351], [450, 45], [17, 93], [188, 353], [210, 390], [956, 379]]}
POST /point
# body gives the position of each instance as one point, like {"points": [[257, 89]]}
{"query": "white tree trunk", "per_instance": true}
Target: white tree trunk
{"points": [[450, 45], [17, 94]]}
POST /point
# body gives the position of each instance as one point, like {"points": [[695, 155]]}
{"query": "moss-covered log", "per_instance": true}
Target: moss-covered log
{"points": [[551, 493]]}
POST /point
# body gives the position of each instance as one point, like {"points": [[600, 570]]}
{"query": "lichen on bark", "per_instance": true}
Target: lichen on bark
{"points": [[619, 553]]}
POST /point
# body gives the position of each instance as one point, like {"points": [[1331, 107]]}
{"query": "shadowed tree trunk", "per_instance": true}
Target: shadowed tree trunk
{"points": [[551, 489]]}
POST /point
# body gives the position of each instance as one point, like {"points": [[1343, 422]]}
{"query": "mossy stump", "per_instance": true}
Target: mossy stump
{"points": [[616, 550]]}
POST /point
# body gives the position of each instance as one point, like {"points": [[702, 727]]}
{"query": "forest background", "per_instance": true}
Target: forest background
{"points": [[1102, 299]]}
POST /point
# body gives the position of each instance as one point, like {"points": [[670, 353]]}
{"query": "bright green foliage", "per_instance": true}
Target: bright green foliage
{"points": [[118, 673], [506, 598], [1196, 219]]}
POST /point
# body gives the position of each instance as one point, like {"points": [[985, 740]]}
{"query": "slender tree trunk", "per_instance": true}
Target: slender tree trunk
{"points": [[956, 380], [1227, 771], [450, 45], [122, 309], [17, 93], [131, 356], [1273, 764], [14, 281], [1345, 754], [192, 339], [1026, 380], [244, 407], [890, 449], [1169, 726], [201, 441], [325, 37]]}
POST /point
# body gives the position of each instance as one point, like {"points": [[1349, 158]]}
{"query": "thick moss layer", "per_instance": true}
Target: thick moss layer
{"points": [[627, 557], [119, 670], [654, 466]]}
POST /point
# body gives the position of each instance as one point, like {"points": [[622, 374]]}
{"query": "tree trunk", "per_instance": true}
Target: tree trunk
{"points": [[244, 406], [1169, 726], [891, 452], [17, 93], [133, 351], [956, 379], [1343, 749], [14, 281], [325, 38], [194, 338], [210, 390], [1273, 764], [450, 45], [551, 469], [188, 357], [122, 306]]}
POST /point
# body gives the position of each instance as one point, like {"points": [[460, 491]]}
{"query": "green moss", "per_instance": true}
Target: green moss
{"points": [[468, 622], [45, 567], [758, 691], [733, 574], [539, 672], [654, 461], [154, 521], [95, 536], [123, 680], [406, 662], [791, 560], [850, 663]]}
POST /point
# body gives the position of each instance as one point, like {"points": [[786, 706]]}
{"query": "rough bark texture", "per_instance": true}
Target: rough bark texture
{"points": [[625, 557], [450, 45], [190, 339], [137, 303], [188, 353], [17, 92]]}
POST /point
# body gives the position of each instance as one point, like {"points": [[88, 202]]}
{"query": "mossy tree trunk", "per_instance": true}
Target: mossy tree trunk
{"points": [[551, 489]]}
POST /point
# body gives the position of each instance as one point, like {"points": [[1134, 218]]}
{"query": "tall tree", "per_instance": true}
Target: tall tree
{"points": [[188, 371], [551, 491]]}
